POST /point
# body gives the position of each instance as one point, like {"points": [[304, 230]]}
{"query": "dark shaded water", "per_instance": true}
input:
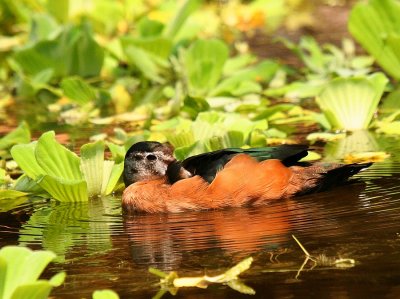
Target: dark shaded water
{"points": [[99, 248]]}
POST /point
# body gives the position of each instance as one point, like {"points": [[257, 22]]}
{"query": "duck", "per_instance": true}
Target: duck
{"points": [[156, 182]]}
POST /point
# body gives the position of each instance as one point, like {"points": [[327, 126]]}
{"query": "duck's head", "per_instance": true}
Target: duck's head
{"points": [[147, 160]]}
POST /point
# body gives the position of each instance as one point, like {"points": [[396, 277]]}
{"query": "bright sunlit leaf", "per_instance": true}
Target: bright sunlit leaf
{"points": [[92, 162], [53, 167], [349, 103], [24, 155], [55, 159]]}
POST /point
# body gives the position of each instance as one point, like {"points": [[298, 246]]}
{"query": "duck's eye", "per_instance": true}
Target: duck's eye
{"points": [[151, 157]]}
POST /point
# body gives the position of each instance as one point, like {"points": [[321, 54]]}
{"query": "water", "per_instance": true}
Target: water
{"points": [[99, 248]]}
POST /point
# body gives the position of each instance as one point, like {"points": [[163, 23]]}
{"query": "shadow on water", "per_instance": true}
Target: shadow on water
{"points": [[100, 248]]}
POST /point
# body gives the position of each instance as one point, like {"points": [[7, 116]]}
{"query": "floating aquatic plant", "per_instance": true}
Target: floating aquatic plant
{"points": [[349, 103], [62, 173], [20, 269], [230, 277]]}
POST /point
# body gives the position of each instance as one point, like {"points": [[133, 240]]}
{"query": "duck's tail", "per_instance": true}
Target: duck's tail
{"points": [[321, 176]]}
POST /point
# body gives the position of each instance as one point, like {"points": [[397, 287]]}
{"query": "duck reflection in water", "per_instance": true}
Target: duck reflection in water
{"points": [[168, 241]]}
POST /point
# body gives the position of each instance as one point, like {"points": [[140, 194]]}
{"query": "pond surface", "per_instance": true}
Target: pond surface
{"points": [[99, 248]]}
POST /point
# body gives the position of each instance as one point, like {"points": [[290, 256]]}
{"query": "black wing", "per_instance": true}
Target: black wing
{"points": [[208, 164]]}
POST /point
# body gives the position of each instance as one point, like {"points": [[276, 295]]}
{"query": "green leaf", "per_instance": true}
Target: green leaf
{"points": [[73, 52], [113, 178], [117, 152], [20, 135], [8, 205], [149, 28], [78, 90], [3, 276], [56, 160], [181, 139], [35, 290], [204, 62], [24, 267], [43, 27], [63, 189], [92, 162], [349, 103], [237, 63], [24, 155], [389, 128], [10, 194], [105, 294], [182, 153], [159, 47], [58, 279], [55, 168], [144, 62], [263, 72], [229, 139], [376, 26]]}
